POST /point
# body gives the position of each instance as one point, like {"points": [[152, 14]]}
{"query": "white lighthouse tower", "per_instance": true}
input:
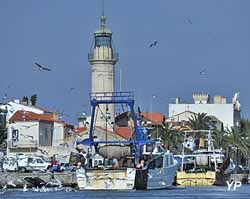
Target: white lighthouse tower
{"points": [[103, 59]]}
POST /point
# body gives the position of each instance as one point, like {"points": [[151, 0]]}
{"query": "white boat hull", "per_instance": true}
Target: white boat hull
{"points": [[106, 179]]}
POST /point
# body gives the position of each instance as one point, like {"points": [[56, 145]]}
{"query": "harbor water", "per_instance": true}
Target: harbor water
{"points": [[188, 192]]}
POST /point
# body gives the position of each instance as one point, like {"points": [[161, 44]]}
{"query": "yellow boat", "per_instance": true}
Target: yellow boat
{"points": [[196, 179]]}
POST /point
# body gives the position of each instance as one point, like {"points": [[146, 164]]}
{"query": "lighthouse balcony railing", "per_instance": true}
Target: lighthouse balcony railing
{"points": [[92, 56], [112, 96]]}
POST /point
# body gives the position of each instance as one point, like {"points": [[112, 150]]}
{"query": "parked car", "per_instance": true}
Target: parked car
{"points": [[9, 164]]}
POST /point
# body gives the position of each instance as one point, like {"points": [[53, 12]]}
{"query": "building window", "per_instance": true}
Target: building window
{"points": [[15, 135]]}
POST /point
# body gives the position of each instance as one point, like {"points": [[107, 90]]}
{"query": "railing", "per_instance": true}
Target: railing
{"points": [[114, 56], [112, 95]]}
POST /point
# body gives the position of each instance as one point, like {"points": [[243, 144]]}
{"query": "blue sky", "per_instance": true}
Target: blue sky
{"points": [[192, 35]]}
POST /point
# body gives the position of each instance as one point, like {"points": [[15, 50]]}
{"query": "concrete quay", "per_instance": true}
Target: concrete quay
{"points": [[16, 180]]}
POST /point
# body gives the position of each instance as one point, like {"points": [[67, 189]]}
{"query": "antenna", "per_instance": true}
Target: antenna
{"points": [[120, 79], [103, 7]]}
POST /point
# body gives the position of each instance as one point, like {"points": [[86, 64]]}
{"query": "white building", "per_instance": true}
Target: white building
{"points": [[32, 133], [228, 113], [13, 106]]}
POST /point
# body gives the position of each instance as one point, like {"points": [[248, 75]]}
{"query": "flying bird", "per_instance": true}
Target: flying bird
{"points": [[189, 21], [203, 72], [71, 89], [153, 44], [42, 68]]}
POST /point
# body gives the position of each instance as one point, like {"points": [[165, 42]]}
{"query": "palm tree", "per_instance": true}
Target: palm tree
{"points": [[239, 141], [171, 138], [199, 121], [219, 139]]}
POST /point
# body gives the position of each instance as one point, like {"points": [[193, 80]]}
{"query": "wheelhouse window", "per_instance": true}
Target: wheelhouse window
{"points": [[156, 163]]}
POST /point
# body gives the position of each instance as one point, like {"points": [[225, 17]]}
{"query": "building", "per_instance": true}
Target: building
{"points": [[13, 106], [180, 121], [33, 133], [219, 109], [152, 121], [103, 59]]}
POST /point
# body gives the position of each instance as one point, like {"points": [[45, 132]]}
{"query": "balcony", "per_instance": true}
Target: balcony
{"points": [[101, 57]]}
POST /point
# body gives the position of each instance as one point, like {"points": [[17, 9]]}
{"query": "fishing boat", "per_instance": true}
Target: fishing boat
{"points": [[136, 163], [159, 170], [201, 163]]}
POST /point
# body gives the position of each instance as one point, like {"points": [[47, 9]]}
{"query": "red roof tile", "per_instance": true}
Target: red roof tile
{"points": [[30, 116], [81, 129], [154, 117]]}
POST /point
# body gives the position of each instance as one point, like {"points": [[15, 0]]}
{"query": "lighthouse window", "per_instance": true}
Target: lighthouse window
{"points": [[102, 41]]}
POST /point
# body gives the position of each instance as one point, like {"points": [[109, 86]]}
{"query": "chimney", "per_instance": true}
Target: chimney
{"points": [[177, 100], [82, 121], [220, 99]]}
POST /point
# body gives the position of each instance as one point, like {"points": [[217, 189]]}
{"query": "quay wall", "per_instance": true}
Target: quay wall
{"points": [[67, 179]]}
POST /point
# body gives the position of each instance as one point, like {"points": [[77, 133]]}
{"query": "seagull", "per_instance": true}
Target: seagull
{"points": [[153, 44], [189, 21], [36, 189], [42, 68], [54, 183], [162, 183], [25, 189], [11, 183], [203, 72]]}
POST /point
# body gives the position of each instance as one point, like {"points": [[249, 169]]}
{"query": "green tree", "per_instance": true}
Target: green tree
{"points": [[220, 139], [199, 121], [239, 142], [33, 99], [25, 99], [3, 130], [171, 138]]}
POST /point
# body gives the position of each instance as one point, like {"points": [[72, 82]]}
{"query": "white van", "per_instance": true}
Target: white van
{"points": [[32, 163], [9, 164]]}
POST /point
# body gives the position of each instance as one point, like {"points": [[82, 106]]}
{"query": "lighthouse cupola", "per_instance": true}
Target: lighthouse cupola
{"points": [[102, 48]]}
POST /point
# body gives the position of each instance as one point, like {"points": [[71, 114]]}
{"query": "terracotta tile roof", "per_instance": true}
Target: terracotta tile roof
{"points": [[81, 130], [124, 132], [30, 116], [155, 117]]}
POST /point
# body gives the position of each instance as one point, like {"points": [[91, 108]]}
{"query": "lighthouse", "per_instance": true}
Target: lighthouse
{"points": [[103, 58]]}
